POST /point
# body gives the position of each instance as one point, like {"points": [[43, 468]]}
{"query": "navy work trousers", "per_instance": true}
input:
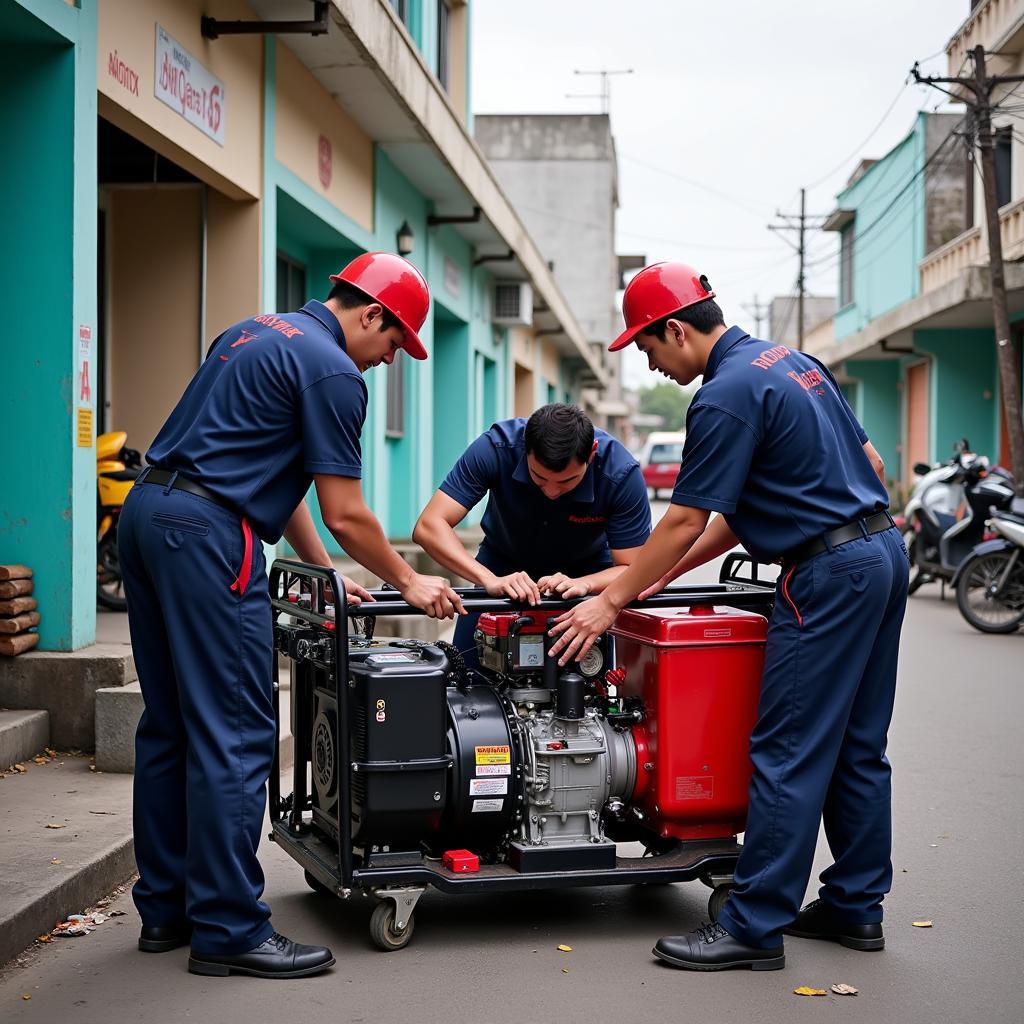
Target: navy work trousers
{"points": [[205, 742], [818, 748]]}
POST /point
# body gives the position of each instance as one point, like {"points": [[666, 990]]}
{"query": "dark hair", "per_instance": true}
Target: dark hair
{"points": [[351, 297], [701, 316], [558, 433]]}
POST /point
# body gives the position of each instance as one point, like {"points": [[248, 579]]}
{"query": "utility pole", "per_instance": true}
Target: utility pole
{"points": [[981, 86], [605, 95], [757, 310], [800, 227]]}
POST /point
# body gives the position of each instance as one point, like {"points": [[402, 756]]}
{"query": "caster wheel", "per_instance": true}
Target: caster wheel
{"points": [[718, 898], [383, 932], [316, 885]]}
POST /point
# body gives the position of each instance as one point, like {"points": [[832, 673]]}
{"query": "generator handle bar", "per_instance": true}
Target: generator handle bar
{"points": [[743, 594]]}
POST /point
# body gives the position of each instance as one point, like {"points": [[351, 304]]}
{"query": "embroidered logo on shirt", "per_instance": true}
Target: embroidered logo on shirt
{"points": [[767, 359], [275, 323], [808, 380]]}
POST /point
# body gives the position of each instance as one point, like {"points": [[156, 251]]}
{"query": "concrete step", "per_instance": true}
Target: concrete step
{"points": [[60, 871], [118, 709], [23, 734], [64, 683]]}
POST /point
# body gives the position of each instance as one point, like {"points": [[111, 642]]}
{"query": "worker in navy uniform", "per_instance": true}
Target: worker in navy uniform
{"points": [[772, 446], [567, 511], [277, 404]]}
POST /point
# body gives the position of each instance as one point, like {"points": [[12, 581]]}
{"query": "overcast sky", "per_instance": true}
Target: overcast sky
{"points": [[732, 107]]}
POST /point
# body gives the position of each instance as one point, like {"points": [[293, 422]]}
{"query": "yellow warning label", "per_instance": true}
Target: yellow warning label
{"points": [[84, 428], [493, 755]]}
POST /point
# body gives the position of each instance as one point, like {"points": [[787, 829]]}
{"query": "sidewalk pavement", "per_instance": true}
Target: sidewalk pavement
{"points": [[65, 841]]}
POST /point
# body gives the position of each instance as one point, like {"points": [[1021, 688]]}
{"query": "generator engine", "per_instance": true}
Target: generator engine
{"points": [[539, 767]]}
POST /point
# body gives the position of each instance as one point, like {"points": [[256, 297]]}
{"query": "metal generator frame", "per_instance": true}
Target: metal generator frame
{"points": [[317, 645]]}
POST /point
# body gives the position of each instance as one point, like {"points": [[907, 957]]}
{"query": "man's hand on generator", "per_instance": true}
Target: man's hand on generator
{"points": [[434, 595], [564, 586], [517, 585], [578, 629]]}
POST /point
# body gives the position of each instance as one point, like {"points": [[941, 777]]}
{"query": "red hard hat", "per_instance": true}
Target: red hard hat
{"points": [[658, 290], [398, 286]]}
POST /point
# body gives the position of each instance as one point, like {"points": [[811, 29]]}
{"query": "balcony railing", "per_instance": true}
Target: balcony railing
{"points": [[970, 248], [989, 23]]}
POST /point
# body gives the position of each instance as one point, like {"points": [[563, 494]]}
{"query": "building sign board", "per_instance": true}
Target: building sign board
{"points": [[189, 87]]}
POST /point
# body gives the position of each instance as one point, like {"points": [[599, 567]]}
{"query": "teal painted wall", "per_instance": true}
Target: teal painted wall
{"points": [[48, 288], [877, 405], [402, 477], [889, 229], [963, 389]]}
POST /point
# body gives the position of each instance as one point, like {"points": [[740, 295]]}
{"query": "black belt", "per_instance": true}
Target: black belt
{"points": [[876, 523], [177, 482]]}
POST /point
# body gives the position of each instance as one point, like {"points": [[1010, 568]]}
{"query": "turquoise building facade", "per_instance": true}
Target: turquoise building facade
{"points": [[269, 227]]}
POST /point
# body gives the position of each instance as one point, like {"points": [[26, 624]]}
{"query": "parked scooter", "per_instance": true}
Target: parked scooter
{"points": [[947, 511], [990, 581], [117, 469]]}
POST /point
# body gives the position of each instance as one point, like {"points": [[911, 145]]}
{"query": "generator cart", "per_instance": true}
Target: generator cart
{"points": [[411, 770]]}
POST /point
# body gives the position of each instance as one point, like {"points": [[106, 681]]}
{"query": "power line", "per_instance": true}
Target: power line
{"points": [[694, 184], [859, 236], [871, 134]]}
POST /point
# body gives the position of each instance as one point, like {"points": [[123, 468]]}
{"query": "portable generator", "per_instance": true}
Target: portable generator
{"points": [[411, 771]]}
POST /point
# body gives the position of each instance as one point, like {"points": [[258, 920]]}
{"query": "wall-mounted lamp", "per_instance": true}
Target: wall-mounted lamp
{"points": [[405, 239]]}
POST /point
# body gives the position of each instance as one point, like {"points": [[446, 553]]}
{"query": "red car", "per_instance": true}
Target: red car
{"points": [[660, 460]]}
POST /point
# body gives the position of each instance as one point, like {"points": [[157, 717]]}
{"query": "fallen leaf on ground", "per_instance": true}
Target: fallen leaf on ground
{"points": [[121, 913], [25, 996], [565, 970], [52, 753], [922, 924], [56, 860], [41, 760], [803, 990], [19, 768], [43, 938], [102, 812], [52, 825], [844, 990], [565, 949]]}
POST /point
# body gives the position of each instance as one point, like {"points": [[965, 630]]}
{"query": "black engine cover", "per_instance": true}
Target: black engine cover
{"points": [[399, 751], [484, 798]]}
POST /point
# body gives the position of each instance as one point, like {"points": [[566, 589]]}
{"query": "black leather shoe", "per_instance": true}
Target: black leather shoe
{"points": [[162, 940], [278, 957], [712, 948], [819, 921]]}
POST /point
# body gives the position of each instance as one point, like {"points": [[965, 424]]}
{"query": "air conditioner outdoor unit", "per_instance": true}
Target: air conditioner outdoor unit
{"points": [[513, 303]]}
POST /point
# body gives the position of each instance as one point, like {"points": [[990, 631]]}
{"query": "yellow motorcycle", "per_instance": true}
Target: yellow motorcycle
{"points": [[117, 468]]}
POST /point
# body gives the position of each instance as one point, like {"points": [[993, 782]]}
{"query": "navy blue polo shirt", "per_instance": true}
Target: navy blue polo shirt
{"points": [[773, 445], [523, 530], [277, 400]]}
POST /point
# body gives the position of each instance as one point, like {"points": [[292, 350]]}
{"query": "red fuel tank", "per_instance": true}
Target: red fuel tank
{"points": [[698, 671]]}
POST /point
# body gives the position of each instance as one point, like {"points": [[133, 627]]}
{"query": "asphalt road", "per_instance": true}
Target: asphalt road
{"points": [[959, 831]]}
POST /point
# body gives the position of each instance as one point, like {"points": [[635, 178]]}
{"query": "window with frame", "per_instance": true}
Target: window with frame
{"points": [[394, 425], [846, 237], [401, 8], [291, 284], [443, 35]]}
